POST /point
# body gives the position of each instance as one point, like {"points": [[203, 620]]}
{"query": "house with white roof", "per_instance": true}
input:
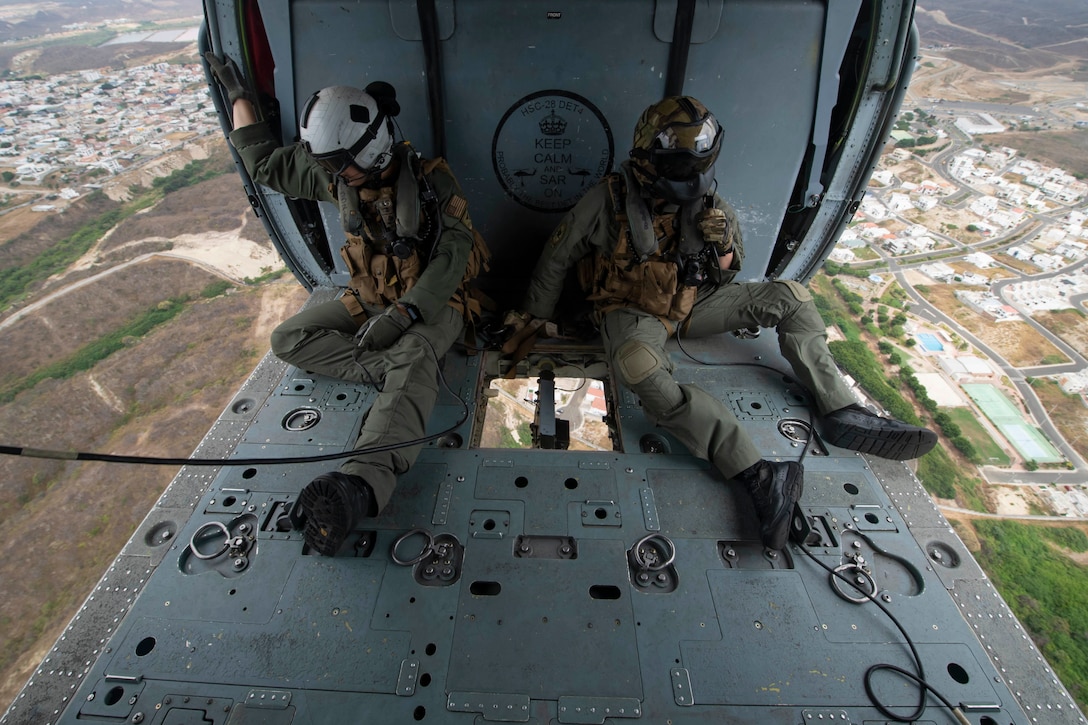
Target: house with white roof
{"points": [[925, 203], [980, 260], [984, 206], [899, 202]]}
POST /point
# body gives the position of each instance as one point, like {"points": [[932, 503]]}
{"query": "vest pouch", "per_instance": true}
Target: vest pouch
{"points": [[408, 271], [682, 302], [617, 282], [587, 273], [479, 259], [379, 268], [357, 257], [658, 287]]}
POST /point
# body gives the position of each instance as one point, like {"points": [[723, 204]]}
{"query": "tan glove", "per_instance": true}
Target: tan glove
{"points": [[514, 321], [519, 327], [714, 226]]}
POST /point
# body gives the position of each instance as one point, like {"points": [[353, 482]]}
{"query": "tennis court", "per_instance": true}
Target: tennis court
{"points": [[1028, 440]]}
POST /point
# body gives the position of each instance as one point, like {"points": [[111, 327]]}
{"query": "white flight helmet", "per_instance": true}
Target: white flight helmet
{"points": [[341, 125]]}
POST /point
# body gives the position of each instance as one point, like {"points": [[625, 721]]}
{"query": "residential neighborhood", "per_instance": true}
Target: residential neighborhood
{"points": [[1008, 237], [72, 132]]}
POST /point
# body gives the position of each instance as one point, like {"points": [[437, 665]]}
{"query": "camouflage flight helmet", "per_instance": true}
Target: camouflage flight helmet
{"points": [[677, 141], [341, 126]]}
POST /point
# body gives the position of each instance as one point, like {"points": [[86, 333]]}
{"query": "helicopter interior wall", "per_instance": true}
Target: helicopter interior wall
{"points": [[540, 99]]}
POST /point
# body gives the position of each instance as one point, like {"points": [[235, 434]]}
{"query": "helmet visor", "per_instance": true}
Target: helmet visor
{"points": [[337, 162], [683, 163]]}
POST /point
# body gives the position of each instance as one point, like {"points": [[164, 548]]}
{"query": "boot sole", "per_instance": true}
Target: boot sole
{"points": [[896, 445], [328, 518]]}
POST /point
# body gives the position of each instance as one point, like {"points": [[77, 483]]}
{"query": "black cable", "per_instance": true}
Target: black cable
{"points": [[919, 678], [915, 573], [812, 434], [160, 461]]}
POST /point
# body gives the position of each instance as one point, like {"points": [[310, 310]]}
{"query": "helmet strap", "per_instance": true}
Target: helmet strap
{"points": [[408, 175], [639, 217]]}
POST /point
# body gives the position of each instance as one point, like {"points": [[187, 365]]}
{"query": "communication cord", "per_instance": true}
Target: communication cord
{"points": [[919, 678]]}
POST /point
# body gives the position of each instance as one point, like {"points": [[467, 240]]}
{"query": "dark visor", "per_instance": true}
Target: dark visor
{"points": [[684, 164]]}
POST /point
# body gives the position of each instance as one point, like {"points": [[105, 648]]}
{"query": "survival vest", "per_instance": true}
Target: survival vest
{"points": [[389, 243], [644, 269]]}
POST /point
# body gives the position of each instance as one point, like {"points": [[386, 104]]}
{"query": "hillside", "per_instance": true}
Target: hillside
{"points": [[1007, 35], [20, 19], [166, 285]]}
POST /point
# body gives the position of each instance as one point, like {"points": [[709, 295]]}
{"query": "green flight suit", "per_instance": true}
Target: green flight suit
{"points": [[635, 340], [321, 339]]}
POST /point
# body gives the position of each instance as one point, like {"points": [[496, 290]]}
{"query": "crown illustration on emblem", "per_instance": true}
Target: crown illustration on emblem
{"points": [[553, 125]]}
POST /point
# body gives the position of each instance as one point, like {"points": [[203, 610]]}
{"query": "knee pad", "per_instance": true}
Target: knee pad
{"points": [[636, 361], [800, 292]]}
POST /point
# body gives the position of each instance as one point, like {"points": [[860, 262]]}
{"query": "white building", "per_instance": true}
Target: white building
{"points": [[873, 209], [965, 367], [1072, 250], [981, 123], [980, 260], [938, 271], [1047, 261], [883, 176], [925, 203], [899, 202], [984, 206]]}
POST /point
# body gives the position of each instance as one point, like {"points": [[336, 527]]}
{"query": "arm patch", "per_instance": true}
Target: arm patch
{"points": [[456, 207]]}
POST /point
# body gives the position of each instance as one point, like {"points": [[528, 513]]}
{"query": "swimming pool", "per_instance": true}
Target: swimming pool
{"points": [[930, 342]]}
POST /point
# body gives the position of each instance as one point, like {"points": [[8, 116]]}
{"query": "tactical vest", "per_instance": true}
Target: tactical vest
{"points": [[642, 270], [389, 243]]}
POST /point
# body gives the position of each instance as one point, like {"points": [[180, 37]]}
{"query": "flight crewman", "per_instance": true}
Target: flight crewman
{"points": [[412, 253], [657, 252]]}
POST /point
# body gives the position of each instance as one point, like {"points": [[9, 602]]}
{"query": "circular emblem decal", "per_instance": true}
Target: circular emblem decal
{"points": [[550, 148]]}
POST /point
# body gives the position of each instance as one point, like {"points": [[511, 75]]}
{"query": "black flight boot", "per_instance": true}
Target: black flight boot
{"points": [[332, 505], [859, 429], [775, 488]]}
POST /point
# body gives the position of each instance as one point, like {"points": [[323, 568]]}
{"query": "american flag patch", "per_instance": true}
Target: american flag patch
{"points": [[457, 207]]}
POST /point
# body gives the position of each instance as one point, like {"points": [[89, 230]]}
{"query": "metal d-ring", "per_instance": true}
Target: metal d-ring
{"points": [[196, 534], [429, 548], [669, 548], [840, 572]]}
